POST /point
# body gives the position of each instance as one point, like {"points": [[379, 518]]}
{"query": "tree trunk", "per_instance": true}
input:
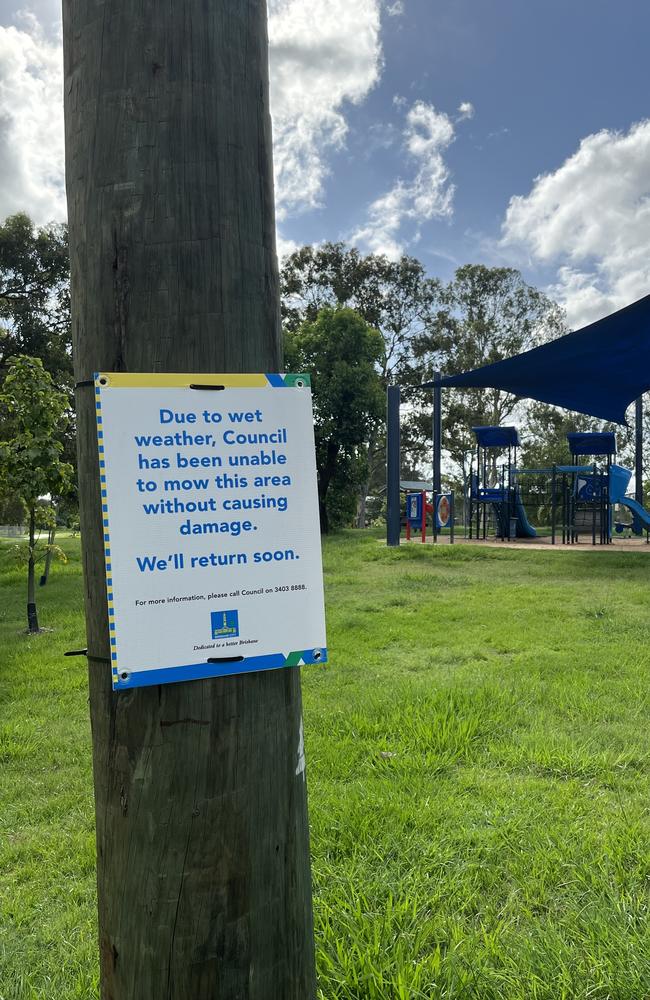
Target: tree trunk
{"points": [[325, 476], [362, 502], [51, 535], [202, 834], [362, 506], [32, 615]]}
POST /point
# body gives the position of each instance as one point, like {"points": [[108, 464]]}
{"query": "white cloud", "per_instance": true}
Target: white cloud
{"points": [[324, 53], [395, 9], [31, 123], [285, 247], [429, 194], [591, 219], [465, 111]]}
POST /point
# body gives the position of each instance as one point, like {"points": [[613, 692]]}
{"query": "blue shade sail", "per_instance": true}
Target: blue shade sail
{"points": [[598, 370]]}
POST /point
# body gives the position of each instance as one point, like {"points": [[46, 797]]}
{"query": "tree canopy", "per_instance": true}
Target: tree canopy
{"points": [[487, 314], [397, 298], [35, 295], [33, 417], [342, 351]]}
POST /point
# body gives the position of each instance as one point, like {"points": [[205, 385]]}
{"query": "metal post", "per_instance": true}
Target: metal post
{"points": [[434, 519], [553, 504], [468, 510], [437, 434], [452, 515], [393, 528], [638, 450]]}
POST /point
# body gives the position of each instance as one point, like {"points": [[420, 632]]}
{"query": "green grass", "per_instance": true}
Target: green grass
{"points": [[478, 766]]}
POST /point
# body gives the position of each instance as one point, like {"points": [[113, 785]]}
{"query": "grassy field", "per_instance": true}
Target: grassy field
{"points": [[479, 776]]}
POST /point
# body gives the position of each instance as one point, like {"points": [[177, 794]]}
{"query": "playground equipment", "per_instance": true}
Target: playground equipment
{"points": [[417, 507], [619, 479], [441, 503], [567, 501], [493, 492], [576, 499]]}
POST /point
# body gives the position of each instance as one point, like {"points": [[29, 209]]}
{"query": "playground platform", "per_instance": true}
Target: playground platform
{"points": [[635, 544]]}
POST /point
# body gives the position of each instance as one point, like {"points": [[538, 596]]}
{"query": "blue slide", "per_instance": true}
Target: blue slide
{"points": [[640, 513], [524, 527], [619, 479]]}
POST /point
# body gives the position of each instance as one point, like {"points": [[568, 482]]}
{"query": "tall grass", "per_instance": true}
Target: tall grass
{"points": [[478, 766]]}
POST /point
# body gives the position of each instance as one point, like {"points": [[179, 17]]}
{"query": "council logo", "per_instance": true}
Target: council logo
{"points": [[225, 624]]}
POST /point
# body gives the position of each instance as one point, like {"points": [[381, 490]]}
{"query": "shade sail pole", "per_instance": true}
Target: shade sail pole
{"points": [[638, 450], [437, 433], [393, 527]]}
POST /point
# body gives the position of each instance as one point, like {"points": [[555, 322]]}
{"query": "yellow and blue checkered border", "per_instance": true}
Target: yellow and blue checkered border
{"points": [[106, 532], [183, 380]]}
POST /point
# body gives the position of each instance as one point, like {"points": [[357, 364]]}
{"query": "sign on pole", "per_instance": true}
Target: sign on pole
{"points": [[211, 530]]}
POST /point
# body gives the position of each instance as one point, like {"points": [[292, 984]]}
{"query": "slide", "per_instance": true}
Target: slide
{"points": [[640, 513], [524, 527], [619, 479]]}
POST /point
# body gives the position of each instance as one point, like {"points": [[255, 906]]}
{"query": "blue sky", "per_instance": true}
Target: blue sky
{"points": [[499, 131]]}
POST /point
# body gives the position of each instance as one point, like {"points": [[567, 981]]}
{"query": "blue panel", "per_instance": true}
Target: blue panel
{"points": [[201, 671], [496, 437], [619, 480], [598, 370], [414, 509]]}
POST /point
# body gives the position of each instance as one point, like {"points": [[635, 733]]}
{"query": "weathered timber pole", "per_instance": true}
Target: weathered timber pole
{"points": [[202, 835]]}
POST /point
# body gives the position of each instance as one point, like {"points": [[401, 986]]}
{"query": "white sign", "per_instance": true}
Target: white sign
{"points": [[211, 532]]}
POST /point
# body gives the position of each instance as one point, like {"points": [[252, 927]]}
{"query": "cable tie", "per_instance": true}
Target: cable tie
{"points": [[89, 656]]}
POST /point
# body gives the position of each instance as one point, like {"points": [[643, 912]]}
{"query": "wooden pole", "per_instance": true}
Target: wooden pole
{"points": [[202, 835]]}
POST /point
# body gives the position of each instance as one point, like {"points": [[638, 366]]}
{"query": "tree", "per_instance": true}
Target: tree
{"points": [[397, 298], [487, 314], [342, 351], [545, 434], [204, 886], [33, 415], [35, 295]]}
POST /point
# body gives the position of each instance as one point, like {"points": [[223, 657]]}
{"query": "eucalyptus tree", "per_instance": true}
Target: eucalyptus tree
{"points": [[395, 297]]}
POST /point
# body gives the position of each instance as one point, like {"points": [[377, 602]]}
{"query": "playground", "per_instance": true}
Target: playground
{"points": [[568, 504], [585, 501]]}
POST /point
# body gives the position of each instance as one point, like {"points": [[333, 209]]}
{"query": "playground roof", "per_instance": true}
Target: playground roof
{"points": [[598, 370], [592, 444], [496, 437], [415, 484]]}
